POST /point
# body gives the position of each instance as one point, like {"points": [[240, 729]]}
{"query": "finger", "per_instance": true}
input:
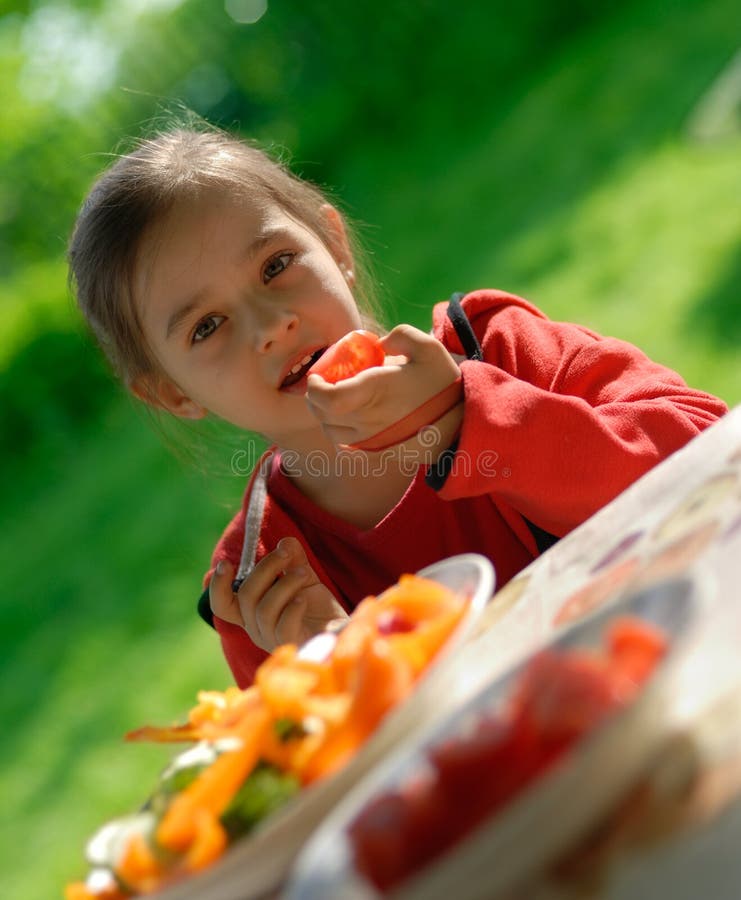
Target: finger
{"points": [[220, 595], [272, 605], [332, 401], [317, 385], [289, 628], [252, 589], [331, 414], [270, 567]]}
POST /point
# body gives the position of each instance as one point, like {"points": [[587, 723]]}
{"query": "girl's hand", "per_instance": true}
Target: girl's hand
{"points": [[417, 367], [280, 602]]}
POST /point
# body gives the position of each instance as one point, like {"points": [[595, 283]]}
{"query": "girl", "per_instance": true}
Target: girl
{"points": [[214, 278]]}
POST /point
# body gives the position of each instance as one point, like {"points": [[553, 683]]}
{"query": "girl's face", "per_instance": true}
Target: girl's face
{"points": [[236, 299]]}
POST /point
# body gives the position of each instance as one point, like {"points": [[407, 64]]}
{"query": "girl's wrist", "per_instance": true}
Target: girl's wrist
{"points": [[427, 446], [440, 463], [435, 439]]}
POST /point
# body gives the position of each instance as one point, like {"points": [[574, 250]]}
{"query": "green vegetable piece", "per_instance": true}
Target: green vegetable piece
{"points": [[182, 771], [288, 729], [263, 792]]}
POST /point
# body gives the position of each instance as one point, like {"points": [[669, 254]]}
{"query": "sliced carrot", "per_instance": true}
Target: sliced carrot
{"points": [[291, 755], [419, 599], [420, 646], [351, 644], [165, 734], [214, 787], [332, 753], [214, 716], [209, 843], [220, 711], [139, 868], [284, 687], [78, 890], [382, 680]]}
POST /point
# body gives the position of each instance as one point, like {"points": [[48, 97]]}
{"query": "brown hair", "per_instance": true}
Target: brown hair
{"points": [[139, 190]]}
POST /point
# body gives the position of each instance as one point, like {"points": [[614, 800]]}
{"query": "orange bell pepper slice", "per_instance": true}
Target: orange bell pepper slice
{"points": [[420, 646], [78, 890], [171, 734], [139, 868], [214, 787], [209, 843], [350, 646], [382, 681], [419, 599]]}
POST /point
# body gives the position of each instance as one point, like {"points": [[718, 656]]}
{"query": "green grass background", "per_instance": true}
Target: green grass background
{"points": [[581, 185]]}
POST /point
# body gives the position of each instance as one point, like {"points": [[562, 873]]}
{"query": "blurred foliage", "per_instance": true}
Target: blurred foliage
{"points": [[81, 76], [85, 74], [55, 383], [551, 149]]}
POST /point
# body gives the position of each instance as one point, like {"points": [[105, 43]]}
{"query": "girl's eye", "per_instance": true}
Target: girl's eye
{"points": [[276, 265], [206, 327]]}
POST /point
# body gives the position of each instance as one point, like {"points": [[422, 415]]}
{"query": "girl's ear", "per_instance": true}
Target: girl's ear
{"points": [[165, 394], [339, 245]]}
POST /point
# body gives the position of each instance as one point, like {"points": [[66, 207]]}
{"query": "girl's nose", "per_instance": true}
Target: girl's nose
{"points": [[272, 326]]}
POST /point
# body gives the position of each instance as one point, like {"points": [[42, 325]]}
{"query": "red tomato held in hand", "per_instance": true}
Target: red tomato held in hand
{"points": [[353, 353]]}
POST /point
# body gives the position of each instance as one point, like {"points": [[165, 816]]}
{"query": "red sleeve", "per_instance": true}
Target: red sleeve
{"points": [[559, 420], [241, 654], [229, 546]]}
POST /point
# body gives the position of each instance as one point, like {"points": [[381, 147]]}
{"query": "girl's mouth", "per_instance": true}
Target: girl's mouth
{"points": [[298, 372]]}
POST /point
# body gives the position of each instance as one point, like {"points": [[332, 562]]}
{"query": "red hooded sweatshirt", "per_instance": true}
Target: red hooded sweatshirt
{"points": [[557, 422]]}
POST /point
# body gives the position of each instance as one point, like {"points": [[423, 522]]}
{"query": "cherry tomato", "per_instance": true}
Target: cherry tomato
{"points": [[379, 854], [399, 831], [426, 829], [635, 647], [391, 621], [464, 762], [353, 353], [479, 771], [562, 696]]}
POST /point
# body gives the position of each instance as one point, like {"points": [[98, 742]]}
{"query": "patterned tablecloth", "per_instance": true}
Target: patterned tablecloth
{"points": [[678, 833]]}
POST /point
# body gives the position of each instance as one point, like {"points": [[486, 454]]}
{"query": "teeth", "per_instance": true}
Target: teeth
{"points": [[297, 368]]}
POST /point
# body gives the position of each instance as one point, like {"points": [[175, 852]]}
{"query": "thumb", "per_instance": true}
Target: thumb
{"points": [[221, 597]]}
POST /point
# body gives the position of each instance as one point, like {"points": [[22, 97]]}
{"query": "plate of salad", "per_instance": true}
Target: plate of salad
{"points": [[499, 787], [265, 765]]}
